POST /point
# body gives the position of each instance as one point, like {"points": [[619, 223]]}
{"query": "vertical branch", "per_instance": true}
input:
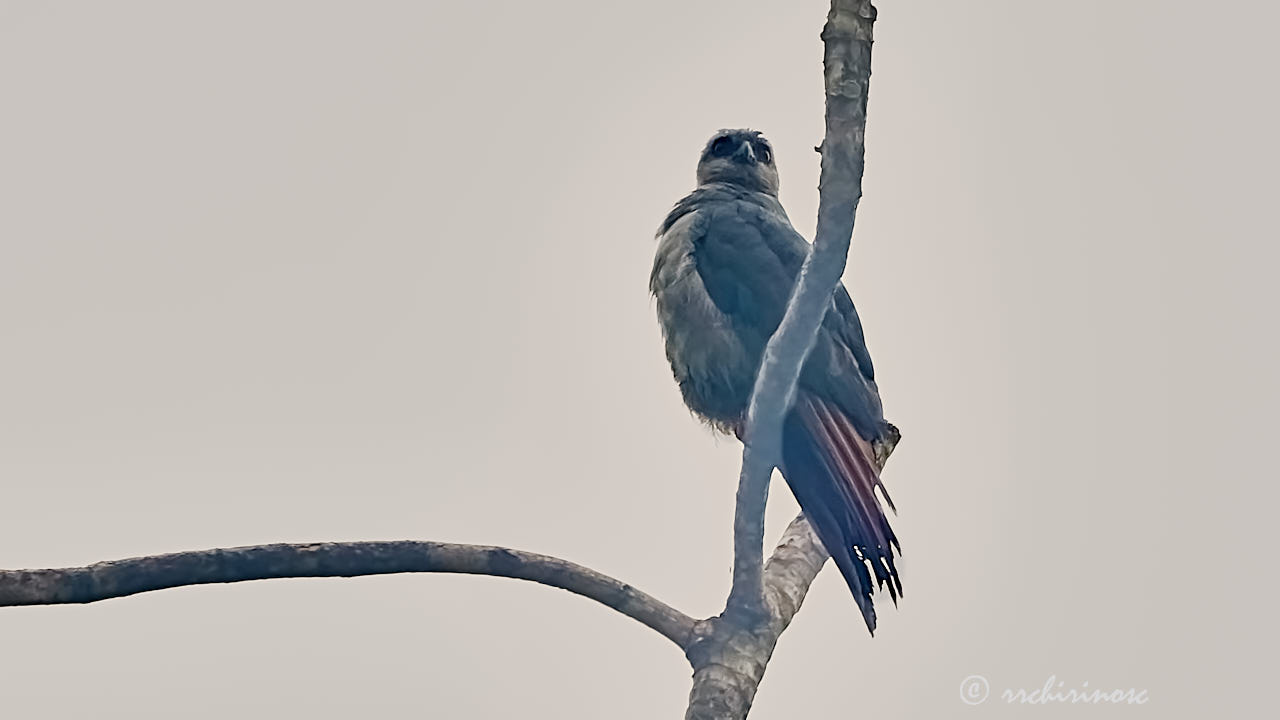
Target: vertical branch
{"points": [[729, 653], [847, 64], [847, 73]]}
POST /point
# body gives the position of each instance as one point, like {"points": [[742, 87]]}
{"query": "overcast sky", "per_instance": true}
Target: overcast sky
{"points": [[301, 271]]}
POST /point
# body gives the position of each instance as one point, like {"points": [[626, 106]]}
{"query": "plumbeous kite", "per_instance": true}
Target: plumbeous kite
{"points": [[726, 264]]}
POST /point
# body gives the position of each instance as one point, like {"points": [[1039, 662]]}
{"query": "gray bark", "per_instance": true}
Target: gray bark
{"points": [[729, 653], [847, 66], [119, 578]]}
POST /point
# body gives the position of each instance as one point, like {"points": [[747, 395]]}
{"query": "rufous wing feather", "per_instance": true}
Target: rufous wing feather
{"points": [[831, 471]]}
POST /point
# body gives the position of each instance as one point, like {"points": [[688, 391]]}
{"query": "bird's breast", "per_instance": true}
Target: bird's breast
{"points": [[714, 369]]}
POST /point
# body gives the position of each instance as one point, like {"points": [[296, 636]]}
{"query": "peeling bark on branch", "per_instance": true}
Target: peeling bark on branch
{"points": [[119, 578]]}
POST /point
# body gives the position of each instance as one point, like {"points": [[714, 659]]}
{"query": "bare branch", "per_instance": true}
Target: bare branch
{"points": [[847, 63], [729, 653], [729, 657], [119, 578], [791, 569]]}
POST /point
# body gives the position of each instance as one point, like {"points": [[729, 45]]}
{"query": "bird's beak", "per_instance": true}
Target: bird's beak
{"points": [[744, 154]]}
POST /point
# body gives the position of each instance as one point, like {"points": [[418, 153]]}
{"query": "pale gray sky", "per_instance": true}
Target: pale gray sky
{"points": [[296, 271]]}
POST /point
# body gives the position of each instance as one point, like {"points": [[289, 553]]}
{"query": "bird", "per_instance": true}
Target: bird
{"points": [[727, 260]]}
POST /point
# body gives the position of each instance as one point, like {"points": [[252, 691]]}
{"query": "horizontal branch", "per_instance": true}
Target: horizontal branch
{"points": [[118, 578]]}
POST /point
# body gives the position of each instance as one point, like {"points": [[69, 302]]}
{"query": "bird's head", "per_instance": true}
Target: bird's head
{"points": [[739, 157]]}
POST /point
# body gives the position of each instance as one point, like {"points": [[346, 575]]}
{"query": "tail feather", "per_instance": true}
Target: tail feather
{"points": [[831, 471]]}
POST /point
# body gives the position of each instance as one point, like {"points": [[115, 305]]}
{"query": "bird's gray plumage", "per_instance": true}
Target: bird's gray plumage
{"points": [[726, 263]]}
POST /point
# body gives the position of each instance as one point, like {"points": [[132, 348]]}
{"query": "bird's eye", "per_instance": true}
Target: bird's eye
{"points": [[762, 151], [722, 146]]}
